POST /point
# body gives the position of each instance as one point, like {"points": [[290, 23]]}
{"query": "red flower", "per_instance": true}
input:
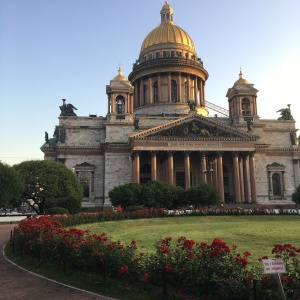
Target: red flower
{"points": [[123, 270], [146, 275], [292, 253], [169, 268], [247, 253], [190, 256]]}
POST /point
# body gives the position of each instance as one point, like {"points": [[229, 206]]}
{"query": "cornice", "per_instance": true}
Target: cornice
{"points": [[118, 124], [282, 149], [81, 127], [204, 119], [280, 130], [152, 70]]}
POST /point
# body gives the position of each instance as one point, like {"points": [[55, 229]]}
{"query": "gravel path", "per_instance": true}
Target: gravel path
{"points": [[18, 284]]}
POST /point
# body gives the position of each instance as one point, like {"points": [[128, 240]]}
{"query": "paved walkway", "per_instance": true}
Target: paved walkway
{"points": [[17, 284]]}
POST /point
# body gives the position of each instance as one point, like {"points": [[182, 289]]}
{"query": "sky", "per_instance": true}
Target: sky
{"points": [[71, 49]]}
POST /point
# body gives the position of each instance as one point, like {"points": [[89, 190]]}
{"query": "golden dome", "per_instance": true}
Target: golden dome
{"points": [[241, 80], [120, 77], [167, 32]]}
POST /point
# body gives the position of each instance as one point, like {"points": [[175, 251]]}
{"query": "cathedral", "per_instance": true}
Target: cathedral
{"points": [[158, 127]]}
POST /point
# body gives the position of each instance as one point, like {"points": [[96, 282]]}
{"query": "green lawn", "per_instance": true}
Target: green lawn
{"points": [[256, 234]]}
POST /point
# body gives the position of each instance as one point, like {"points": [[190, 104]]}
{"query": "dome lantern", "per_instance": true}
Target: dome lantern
{"points": [[167, 13]]}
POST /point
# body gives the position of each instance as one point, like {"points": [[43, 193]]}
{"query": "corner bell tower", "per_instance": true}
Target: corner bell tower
{"points": [[242, 101], [120, 99]]}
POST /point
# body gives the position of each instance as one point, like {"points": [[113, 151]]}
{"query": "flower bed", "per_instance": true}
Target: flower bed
{"points": [[206, 271]]}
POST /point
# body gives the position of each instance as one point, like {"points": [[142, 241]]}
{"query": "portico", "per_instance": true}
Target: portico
{"points": [[207, 153]]}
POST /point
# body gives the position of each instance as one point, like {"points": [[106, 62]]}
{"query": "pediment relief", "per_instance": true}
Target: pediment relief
{"points": [[196, 127]]}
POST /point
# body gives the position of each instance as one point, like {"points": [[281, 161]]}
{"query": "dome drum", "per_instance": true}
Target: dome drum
{"points": [[153, 67]]}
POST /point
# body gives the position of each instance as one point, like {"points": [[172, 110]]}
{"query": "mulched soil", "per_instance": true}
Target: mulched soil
{"points": [[16, 283]]}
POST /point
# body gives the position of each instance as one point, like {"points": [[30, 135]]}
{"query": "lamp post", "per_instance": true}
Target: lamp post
{"points": [[208, 172]]}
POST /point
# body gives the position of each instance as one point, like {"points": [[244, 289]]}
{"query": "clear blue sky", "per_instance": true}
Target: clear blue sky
{"points": [[71, 49]]}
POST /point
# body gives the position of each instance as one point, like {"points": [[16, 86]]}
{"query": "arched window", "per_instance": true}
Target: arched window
{"points": [[155, 92], [246, 111], [173, 91], [276, 184], [85, 182], [120, 103]]}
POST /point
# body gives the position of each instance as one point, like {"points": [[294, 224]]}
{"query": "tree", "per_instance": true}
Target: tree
{"points": [[203, 194], [296, 196], [11, 187], [50, 184]]}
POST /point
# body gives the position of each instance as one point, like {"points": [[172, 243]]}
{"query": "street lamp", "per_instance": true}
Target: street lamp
{"points": [[209, 169]]}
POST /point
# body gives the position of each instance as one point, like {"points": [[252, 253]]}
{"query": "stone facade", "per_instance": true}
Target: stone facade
{"points": [[157, 128]]}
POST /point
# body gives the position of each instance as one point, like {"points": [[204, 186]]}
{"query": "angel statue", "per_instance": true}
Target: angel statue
{"points": [[67, 109], [192, 104], [286, 113]]}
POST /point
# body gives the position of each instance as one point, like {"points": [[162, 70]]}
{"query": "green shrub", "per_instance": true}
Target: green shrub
{"points": [[296, 196], [134, 208], [57, 211], [203, 195]]}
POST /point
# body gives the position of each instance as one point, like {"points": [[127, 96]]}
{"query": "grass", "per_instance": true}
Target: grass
{"points": [[257, 234]]}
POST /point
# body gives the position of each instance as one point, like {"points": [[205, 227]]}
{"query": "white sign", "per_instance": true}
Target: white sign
{"points": [[273, 265]]}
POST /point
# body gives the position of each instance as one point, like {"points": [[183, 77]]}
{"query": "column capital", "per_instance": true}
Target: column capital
{"points": [[203, 153], [245, 154], [135, 153], [236, 153], [187, 153], [252, 153], [219, 153], [153, 152], [170, 153]]}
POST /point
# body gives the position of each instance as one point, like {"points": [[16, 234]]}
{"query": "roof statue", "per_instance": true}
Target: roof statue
{"points": [[67, 109], [286, 113]]}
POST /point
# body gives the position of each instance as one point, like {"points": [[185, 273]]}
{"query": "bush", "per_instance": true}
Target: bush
{"points": [[125, 195], [296, 196], [203, 195], [57, 211], [134, 208]]}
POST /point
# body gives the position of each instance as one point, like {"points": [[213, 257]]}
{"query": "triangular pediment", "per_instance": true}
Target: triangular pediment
{"points": [[120, 84], [195, 127]]}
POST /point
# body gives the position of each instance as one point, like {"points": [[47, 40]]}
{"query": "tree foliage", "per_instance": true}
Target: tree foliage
{"points": [[151, 194], [52, 181], [125, 195], [203, 195], [11, 187], [296, 196]]}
